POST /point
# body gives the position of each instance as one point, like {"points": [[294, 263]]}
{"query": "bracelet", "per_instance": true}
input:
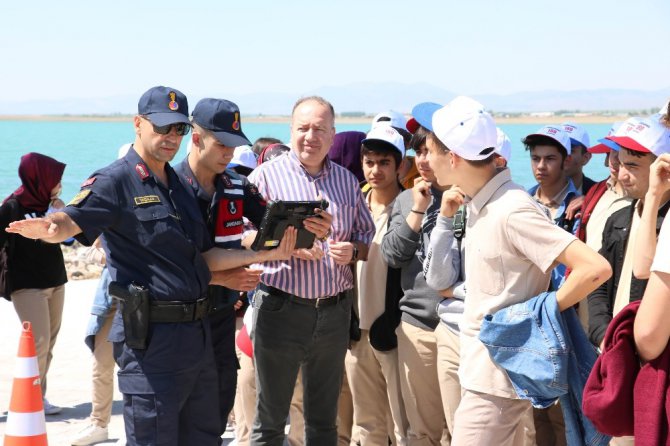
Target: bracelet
{"points": [[417, 212], [325, 237]]}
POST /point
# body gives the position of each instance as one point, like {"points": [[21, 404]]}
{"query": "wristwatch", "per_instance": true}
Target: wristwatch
{"points": [[354, 254]]}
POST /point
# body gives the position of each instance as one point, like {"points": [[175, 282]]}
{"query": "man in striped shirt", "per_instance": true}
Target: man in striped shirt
{"points": [[303, 305]]}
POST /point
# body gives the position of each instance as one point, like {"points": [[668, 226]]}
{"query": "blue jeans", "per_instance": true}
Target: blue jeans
{"points": [[287, 336]]}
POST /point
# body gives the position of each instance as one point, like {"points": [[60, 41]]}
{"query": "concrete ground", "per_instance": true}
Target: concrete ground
{"points": [[69, 377]]}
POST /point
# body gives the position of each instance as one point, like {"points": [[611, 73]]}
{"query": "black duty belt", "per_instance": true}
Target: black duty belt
{"points": [[315, 302], [177, 311]]}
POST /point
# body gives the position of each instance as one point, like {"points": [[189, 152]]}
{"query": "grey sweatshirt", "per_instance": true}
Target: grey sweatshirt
{"points": [[444, 268], [401, 249]]}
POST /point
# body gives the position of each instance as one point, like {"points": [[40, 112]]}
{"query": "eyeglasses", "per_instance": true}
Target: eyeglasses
{"points": [[181, 128]]}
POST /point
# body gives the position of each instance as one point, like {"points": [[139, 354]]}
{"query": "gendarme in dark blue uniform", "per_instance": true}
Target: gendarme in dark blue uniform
{"points": [[154, 236], [234, 198]]}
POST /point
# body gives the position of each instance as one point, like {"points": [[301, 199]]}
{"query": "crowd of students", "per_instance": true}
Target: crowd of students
{"points": [[440, 303]]}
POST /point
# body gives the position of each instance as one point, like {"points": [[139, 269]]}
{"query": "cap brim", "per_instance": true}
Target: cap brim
{"points": [[575, 142], [629, 143], [423, 114], [231, 139], [599, 148], [605, 146], [412, 125], [241, 169], [161, 119]]}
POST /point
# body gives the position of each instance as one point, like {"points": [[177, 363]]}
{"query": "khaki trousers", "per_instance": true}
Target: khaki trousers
{"points": [[379, 412], [483, 420], [43, 307], [103, 375], [448, 360], [417, 357], [347, 432]]}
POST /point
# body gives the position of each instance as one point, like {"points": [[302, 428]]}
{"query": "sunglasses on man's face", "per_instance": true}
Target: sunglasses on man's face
{"points": [[181, 128]]}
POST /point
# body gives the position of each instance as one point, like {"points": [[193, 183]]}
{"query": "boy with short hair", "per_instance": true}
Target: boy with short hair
{"points": [[372, 361], [550, 152], [511, 248]]}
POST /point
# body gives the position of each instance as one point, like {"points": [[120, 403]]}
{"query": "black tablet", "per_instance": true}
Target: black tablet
{"points": [[281, 214]]}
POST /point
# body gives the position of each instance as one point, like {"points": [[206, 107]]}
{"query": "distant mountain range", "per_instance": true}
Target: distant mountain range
{"points": [[370, 98]]}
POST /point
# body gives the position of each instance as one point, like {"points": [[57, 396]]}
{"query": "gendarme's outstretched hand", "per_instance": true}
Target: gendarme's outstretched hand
{"points": [[34, 228]]}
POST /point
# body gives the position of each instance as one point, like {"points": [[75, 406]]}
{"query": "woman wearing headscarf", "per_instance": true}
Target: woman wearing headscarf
{"points": [[36, 268], [346, 151]]}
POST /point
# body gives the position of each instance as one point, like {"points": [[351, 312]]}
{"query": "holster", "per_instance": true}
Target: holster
{"points": [[133, 301]]}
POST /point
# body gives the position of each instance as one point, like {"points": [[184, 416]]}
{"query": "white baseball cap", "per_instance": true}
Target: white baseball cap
{"points": [[503, 145], [387, 135], [390, 117], [577, 134], [243, 156], [466, 128], [556, 133], [646, 135]]}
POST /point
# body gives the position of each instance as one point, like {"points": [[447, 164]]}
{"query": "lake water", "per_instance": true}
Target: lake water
{"points": [[87, 146]]}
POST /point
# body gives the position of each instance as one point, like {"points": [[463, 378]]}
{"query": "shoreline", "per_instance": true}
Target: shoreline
{"points": [[257, 119]]}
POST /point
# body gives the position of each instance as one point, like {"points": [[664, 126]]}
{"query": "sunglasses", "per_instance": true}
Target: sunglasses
{"points": [[181, 128]]}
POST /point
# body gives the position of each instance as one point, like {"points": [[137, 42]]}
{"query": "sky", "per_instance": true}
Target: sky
{"points": [[87, 49]]}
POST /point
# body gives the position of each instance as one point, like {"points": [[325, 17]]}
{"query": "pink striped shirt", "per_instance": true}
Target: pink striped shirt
{"points": [[285, 178]]}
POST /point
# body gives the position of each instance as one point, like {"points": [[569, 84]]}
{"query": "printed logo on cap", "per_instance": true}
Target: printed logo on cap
{"points": [[236, 122], [552, 131], [641, 127], [172, 105]]}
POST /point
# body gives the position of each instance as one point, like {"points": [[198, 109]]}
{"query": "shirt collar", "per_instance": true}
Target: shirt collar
{"points": [[325, 170], [557, 200], [482, 197], [144, 173], [387, 209], [193, 180]]}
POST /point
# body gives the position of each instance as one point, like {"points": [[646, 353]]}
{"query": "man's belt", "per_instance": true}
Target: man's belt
{"points": [[315, 302], [177, 311]]}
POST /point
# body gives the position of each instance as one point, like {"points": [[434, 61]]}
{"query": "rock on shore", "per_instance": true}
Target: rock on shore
{"points": [[76, 264]]}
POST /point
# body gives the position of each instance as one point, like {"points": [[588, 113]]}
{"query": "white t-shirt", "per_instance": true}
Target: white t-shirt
{"points": [[661, 261]]}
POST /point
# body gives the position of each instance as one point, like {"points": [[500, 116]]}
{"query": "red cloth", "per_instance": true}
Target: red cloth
{"points": [[591, 198], [608, 393], [620, 397], [652, 402], [39, 175]]}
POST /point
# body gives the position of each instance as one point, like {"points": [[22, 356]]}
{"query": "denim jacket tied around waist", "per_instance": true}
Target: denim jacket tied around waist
{"points": [[547, 356]]}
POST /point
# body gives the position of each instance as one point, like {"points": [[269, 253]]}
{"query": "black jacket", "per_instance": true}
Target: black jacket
{"points": [[615, 239], [34, 263]]}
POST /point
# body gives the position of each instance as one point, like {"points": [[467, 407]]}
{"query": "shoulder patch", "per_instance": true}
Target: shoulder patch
{"points": [[80, 197], [89, 182], [141, 170], [226, 181], [146, 199]]}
